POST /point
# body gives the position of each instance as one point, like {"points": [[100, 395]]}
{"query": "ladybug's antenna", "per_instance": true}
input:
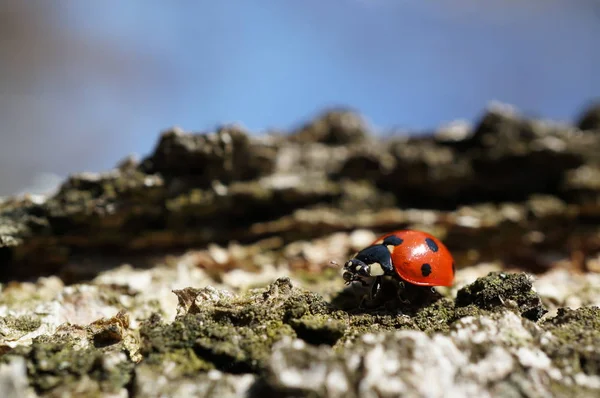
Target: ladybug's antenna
{"points": [[334, 263]]}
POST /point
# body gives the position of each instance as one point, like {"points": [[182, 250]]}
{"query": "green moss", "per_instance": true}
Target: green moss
{"points": [[228, 347], [577, 335], [575, 321], [435, 317], [364, 323], [469, 310], [186, 361], [160, 338], [235, 336], [319, 329], [55, 361], [498, 289], [297, 306], [25, 323]]}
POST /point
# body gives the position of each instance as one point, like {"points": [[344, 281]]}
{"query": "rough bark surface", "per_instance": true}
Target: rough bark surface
{"points": [[204, 269]]}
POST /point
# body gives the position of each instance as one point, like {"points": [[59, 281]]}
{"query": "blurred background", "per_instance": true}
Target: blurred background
{"points": [[83, 84]]}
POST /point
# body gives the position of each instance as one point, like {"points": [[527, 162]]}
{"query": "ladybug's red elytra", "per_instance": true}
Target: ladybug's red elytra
{"points": [[414, 256]]}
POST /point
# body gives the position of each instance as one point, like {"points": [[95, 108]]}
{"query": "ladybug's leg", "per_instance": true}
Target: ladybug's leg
{"points": [[375, 287], [401, 289], [362, 305], [363, 282]]}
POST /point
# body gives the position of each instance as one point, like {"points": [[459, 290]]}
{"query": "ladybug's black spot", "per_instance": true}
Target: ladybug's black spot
{"points": [[425, 269], [392, 240], [432, 245], [453, 269]]}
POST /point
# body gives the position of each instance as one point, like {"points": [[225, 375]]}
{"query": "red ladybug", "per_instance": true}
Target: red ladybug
{"points": [[414, 256]]}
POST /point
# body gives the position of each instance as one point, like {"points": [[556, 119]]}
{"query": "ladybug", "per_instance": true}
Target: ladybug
{"points": [[409, 255]]}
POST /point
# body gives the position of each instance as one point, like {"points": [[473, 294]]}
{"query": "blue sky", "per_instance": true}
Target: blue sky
{"points": [[267, 63]]}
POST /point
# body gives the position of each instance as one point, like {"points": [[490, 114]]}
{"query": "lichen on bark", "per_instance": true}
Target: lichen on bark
{"points": [[204, 269]]}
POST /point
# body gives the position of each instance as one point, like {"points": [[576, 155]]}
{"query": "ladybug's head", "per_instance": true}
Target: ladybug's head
{"points": [[355, 269], [373, 261]]}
